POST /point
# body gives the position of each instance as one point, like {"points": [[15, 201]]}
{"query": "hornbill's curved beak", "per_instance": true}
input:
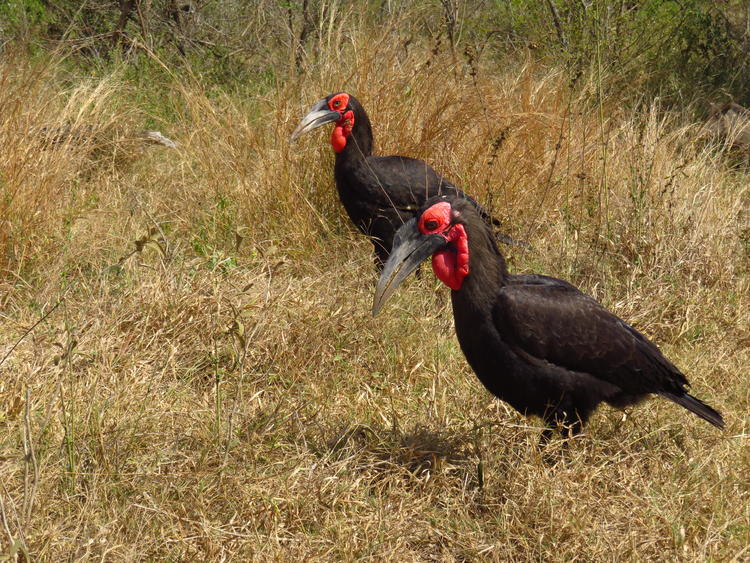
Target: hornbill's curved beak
{"points": [[318, 115], [410, 249]]}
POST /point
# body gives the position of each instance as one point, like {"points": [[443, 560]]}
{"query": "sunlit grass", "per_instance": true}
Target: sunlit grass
{"points": [[223, 391]]}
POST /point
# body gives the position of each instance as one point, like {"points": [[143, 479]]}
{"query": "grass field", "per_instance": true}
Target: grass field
{"points": [[188, 365]]}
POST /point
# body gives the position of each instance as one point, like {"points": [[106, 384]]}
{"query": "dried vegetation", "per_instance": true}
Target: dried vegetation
{"points": [[206, 382]]}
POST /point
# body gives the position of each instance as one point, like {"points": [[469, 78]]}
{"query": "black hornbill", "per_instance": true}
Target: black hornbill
{"points": [[380, 193], [534, 341]]}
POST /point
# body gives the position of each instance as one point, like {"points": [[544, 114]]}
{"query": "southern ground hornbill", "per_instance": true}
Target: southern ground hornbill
{"points": [[380, 193], [534, 341]]}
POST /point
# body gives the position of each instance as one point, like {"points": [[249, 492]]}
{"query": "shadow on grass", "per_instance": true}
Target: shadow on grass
{"points": [[420, 452]]}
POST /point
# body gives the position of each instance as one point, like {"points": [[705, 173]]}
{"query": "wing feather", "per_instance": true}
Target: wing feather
{"points": [[408, 182], [549, 320]]}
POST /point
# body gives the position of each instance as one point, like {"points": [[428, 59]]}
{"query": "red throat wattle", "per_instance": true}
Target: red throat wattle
{"points": [[344, 125], [342, 130], [451, 265]]}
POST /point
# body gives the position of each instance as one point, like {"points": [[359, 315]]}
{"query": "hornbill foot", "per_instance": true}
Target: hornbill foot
{"points": [[553, 455], [568, 430], [545, 437]]}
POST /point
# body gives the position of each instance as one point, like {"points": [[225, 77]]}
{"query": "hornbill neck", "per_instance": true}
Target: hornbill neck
{"points": [[487, 270], [359, 142]]}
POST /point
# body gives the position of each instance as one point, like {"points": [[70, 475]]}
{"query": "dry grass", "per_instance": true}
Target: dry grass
{"points": [[224, 392]]}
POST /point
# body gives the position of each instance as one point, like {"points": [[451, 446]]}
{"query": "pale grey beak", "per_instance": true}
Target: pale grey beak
{"points": [[318, 115], [410, 249]]}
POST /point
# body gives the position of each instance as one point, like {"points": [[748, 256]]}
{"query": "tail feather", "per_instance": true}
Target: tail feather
{"points": [[698, 407]]}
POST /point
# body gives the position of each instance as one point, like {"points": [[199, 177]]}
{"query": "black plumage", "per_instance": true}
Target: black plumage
{"points": [[534, 341], [379, 193]]}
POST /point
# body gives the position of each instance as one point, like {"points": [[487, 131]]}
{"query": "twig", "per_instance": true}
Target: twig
{"points": [[4, 519], [126, 9], [13, 542], [161, 232], [238, 396], [25, 334], [558, 24], [29, 455]]}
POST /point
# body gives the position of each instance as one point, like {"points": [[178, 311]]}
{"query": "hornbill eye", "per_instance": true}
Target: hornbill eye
{"points": [[336, 103], [431, 225]]}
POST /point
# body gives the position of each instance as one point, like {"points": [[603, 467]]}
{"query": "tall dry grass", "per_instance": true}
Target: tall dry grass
{"points": [[54, 134], [207, 382]]}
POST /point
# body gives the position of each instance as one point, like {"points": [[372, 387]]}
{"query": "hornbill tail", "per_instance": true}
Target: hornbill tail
{"points": [[696, 406]]}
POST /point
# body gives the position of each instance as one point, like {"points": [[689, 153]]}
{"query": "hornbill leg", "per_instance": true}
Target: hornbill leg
{"points": [[552, 456], [572, 426], [545, 437], [568, 424]]}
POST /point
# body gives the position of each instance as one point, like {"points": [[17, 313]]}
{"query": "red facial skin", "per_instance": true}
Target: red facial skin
{"points": [[451, 265], [344, 125]]}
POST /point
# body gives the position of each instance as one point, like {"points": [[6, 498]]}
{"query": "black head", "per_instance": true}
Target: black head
{"points": [[346, 113], [440, 231]]}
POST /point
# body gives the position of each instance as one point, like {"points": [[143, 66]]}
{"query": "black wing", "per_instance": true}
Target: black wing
{"points": [[549, 320]]}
